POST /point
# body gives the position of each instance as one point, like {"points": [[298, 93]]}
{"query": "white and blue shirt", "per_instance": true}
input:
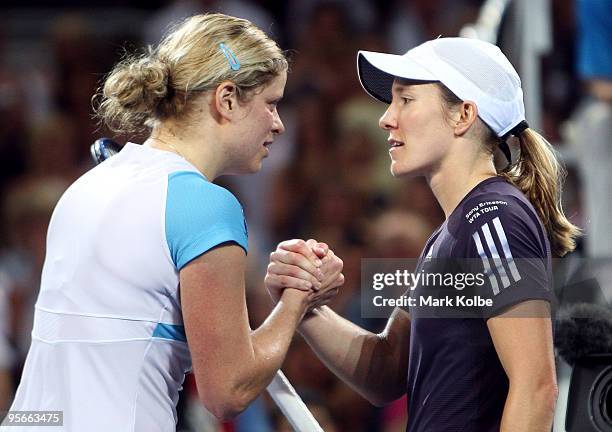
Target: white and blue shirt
{"points": [[108, 344]]}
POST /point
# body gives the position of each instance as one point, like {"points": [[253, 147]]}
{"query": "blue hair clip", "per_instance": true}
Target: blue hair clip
{"points": [[230, 56]]}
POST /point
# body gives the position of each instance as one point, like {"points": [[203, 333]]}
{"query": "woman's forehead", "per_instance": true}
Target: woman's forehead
{"points": [[276, 85]]}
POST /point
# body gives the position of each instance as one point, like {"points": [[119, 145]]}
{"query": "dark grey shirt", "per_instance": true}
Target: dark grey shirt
{"points": [[455, 379]]}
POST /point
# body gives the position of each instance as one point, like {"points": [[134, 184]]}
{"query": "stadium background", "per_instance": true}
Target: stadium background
{"points": [[326, 178]]}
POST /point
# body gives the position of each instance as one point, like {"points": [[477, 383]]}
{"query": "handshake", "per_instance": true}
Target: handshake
{"points": [[308, 270]]}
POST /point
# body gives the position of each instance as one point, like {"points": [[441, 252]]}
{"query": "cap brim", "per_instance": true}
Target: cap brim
{"points": [[378, 70]]}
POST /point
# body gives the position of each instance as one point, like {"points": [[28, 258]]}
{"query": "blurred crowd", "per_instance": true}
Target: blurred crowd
{"points": [[327, 177]]}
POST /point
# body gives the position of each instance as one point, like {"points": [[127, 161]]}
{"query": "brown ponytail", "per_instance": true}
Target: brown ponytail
{"points": [[539, 175]]}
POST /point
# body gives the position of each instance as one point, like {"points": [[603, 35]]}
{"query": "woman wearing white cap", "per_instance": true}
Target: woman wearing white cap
{"points": [[452, 103]]}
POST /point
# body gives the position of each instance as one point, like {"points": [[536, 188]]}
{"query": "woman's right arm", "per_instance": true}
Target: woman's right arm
{"points": [[374, 365], [232, 364]]}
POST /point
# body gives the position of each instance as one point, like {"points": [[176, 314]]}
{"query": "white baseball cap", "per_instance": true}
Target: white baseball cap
{"points": [[472, 69]]}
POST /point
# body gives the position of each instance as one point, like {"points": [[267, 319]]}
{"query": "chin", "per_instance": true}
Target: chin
{"points": [[248, 167], [397, 171], [407, 170], [248, 171], [254, 168]]}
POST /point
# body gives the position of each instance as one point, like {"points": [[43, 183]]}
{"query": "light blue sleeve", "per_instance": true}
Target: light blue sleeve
{"points": [[199, 216]]}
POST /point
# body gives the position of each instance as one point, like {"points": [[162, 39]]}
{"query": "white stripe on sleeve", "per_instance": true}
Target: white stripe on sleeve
{"points": [[506, 247], [485, 263], [499, 265]]}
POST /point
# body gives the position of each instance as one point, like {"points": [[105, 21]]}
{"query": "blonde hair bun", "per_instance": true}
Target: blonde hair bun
{"points": [[164, 83]]}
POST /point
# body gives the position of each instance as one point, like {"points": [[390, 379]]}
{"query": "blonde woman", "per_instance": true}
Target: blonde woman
{"points": [[144, 272], [452, 103]]}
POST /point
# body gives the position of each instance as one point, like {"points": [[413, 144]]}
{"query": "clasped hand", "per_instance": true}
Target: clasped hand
{"points": [[307, 266]]}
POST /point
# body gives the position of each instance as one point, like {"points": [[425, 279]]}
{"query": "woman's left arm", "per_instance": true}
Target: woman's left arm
{"points": [[524, 343]]}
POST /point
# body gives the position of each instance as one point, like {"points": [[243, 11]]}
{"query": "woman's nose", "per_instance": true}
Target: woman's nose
{"points": [[388, 119]]}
